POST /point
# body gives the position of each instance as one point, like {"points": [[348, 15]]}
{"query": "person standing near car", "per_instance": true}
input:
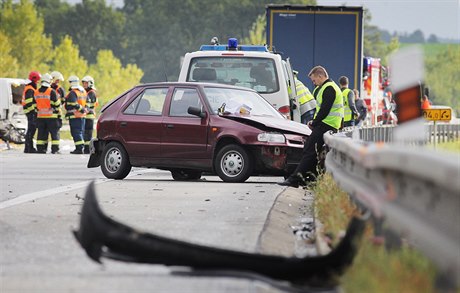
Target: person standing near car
{"points": [[91, 103], [48, 106], [350, 112], [306, 100], [75, 106], [30, 109], [328, 117], [361, 107]]}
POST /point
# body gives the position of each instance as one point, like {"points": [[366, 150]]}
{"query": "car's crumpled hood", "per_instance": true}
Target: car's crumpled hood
{"points": [[270, 122]]}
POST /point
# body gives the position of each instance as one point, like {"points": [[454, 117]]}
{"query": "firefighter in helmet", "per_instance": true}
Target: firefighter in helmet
{"points": [[57, 79], [29, 106], [48, 106], [75, 106], [91, 103]]}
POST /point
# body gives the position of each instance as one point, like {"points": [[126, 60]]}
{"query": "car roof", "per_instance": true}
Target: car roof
{"points": [[236, 54], [198, 84]]}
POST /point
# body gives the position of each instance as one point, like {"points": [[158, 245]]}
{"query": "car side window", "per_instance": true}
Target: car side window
{"points": [[149, 102], [182, 99]]}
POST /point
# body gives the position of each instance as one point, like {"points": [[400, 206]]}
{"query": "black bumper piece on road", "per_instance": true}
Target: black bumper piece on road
{"points": [[101, 236], [95, 154]]}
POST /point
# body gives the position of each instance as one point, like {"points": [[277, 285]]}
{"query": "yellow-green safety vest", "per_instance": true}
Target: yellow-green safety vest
{"points": [[306, 100], [334, 118], [348, 114]]}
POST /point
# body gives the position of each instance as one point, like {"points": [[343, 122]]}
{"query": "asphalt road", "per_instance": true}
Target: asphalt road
{"points": [[40, 202]]}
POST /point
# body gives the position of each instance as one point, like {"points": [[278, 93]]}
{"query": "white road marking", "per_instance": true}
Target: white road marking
{"points": [[45, 193]]}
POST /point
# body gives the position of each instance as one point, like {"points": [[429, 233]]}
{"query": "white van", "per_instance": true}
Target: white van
{"points": [[247, 66]]}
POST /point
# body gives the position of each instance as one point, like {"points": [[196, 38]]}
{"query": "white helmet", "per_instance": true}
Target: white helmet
{"points": [[88, 79], [57, 75], [74, 81], [46, 79]]}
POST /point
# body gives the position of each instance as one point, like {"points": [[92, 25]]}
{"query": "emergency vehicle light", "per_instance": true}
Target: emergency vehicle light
{"points": [[233, 46], [239, 48]]}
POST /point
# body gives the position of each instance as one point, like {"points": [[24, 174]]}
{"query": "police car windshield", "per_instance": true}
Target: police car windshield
{"points": [[239, 101], [255, 73]]}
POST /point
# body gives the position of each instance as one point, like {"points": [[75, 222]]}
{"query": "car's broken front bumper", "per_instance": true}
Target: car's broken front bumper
{"points": [[101, 236]]}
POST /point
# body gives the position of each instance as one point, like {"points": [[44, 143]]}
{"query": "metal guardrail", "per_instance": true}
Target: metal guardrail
{"points": [[439, 132], [415, 189]]}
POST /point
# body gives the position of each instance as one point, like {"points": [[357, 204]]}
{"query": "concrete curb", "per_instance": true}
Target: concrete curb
{"points": [[290, 207]]}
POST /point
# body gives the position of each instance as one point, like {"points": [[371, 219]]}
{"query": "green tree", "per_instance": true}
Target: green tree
{"points": [[161, 32], [8, 64], [111, 78], [257, 34], [25, 31], [373, 45], [442, 76], [91, 24], [67, 59]]}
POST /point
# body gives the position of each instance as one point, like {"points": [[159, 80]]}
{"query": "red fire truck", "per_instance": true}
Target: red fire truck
{"points": [[376, 93]]}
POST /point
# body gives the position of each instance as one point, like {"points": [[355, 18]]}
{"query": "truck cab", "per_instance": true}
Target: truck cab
{"points": [[246, 66]]}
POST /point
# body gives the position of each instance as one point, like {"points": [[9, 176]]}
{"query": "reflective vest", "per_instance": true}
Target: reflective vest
{"points": [[348, 114], [306, 100], [29, 103], [43, 100], [91, 103], [334, 118], [78, 106]]}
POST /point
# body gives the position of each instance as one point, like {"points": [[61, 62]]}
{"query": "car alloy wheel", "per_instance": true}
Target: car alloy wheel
{"points": [[115, 161], [233, 163]]}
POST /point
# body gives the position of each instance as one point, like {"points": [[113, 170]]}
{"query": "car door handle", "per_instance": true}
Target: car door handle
{"points": [[123, 123], [170, 125]]}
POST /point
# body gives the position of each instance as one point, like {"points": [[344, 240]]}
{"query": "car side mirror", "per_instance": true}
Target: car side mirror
{"points": [[196, 112]]}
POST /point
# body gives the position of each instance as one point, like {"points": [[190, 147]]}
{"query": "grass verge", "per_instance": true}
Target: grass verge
{"points": [[375, 269]]}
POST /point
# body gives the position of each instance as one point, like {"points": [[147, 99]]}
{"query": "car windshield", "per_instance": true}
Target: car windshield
{"points": [[254, 73], [226, 101]]}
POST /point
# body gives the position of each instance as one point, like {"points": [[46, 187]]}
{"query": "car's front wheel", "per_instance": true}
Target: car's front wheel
{"points": [[233, 163], [185, 175], [115, 161]]}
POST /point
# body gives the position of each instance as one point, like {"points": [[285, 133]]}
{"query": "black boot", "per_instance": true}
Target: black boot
{"points": [[77, 152], [291, 181], [86, 150], [55, 149]]}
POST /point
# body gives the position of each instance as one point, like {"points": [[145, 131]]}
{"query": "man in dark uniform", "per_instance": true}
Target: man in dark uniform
{"points": [[328, 117], [58, 78], [75, 106], [29, 106], [91, 103], [48, 106]]}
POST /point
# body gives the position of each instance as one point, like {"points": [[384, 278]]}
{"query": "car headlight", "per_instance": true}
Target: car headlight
{"points": [[271, 137]]}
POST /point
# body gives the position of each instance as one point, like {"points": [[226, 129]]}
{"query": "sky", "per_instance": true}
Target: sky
{"points": [[439, 17]]}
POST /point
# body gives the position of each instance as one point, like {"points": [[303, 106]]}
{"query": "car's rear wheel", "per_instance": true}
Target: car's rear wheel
{"points": [[115, 161], [233, 163], [185, 175]]}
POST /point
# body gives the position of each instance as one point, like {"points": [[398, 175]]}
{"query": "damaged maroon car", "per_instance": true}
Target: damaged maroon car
{"points": [[191, 128]]}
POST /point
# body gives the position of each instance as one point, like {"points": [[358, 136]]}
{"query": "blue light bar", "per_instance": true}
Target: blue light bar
{"points": [[257, 48], [213, 48], [253, 48]]}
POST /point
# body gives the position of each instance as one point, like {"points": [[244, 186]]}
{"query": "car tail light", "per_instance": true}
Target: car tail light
{"points": [[286, 111]]}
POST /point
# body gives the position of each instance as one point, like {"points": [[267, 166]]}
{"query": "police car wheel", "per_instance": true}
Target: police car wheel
{"points": [[115, 162], [233, 163]]}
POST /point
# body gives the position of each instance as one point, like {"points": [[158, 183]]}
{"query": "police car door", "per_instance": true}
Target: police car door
{"points": [[295, 107]]}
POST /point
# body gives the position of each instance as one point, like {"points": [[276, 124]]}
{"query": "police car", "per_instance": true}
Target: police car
{"points": [[247, 66]]}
